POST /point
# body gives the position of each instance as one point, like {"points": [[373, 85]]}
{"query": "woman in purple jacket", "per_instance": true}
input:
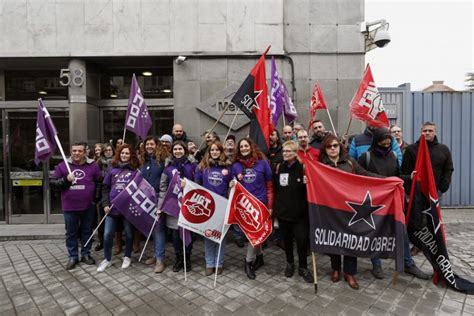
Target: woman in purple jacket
{"points": [[252, 169], [185, 164], [213, 173], [124, 167]]}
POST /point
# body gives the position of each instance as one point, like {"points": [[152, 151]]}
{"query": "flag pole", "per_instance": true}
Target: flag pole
{"points": [[232, 124], [283, 117], [332, 124], [315, 272], [219, 252], [123, 137], [184, 255], [149, 235], [93, 233], [348, 126]]}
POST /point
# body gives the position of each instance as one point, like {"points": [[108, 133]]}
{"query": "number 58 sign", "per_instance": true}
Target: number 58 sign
{"points": [[71, 78]]}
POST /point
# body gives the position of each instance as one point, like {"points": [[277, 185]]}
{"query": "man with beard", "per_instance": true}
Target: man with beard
{"points": [[319, 132], [178, 133], [274, 154], [305, 151]]}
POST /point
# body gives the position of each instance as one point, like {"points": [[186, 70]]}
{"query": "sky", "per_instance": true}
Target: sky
{"points": [[430, 40]]}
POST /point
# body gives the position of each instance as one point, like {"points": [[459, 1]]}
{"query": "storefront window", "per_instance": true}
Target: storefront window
{"points": [[31, 85]]}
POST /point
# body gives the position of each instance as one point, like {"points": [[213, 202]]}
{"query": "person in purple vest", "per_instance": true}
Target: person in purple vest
{"points": [[252, 169], [78, 189], [124, 168], [185, 164], [213, 173]]}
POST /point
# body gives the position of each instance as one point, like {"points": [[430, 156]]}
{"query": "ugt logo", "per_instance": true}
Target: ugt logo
{"points": [[372, 100], [198, 206], [250, 214], [135, 109]]}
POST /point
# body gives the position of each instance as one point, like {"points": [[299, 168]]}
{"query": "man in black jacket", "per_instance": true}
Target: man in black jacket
{"points": [[440, 156]]}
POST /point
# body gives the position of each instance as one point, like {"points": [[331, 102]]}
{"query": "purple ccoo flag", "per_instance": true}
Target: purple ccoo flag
{"points": [[137, 203], [45, 132], [138, 118], [276, 95], [289, 109]]}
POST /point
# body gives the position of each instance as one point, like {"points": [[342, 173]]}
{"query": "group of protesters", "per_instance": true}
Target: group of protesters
{"points": [[276, 178]]}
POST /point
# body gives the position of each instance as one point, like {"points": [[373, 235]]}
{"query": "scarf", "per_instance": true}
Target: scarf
{"points": [[179, 164], [248, 163]]}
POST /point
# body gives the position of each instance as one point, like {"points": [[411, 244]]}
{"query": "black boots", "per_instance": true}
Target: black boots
{"points": [[178, 263], [188, 261], [249, 270], [258, 262]]}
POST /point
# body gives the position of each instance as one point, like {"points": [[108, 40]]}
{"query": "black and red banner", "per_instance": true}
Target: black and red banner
{"points": [[252, 99], [354, 215], [424, 224]]}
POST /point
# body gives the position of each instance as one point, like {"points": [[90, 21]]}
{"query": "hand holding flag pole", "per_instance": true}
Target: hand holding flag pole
{"points": [[149, 235]]}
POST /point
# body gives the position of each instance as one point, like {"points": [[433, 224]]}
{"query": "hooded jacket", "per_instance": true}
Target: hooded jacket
{"points": [[361, 143]]}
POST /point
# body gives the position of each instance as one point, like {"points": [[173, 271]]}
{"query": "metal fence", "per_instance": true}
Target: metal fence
{"points": [[453, 114]]}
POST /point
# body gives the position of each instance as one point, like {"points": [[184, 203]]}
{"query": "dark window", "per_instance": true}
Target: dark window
{"points": [[30, 85]]}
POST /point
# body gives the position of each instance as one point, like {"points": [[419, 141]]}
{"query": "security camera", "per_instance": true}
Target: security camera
{"points": [[381, 38], [180, 59]]}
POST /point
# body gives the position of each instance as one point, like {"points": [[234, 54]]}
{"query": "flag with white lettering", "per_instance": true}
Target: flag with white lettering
{"points": [[203, 212], [250, 214], [424, 224], [137, 203], [138, 118], [354, 215], [45, 144], [317, 103], [276, 95], [366, 105]]}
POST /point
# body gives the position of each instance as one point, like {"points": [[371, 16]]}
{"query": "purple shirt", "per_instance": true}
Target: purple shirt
{"points": [[215, 179], [80, 195], [117, 179], [254, 179]]}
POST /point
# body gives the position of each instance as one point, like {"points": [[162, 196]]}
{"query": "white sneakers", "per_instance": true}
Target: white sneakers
{"points": [[104, 265], [126, 262]]}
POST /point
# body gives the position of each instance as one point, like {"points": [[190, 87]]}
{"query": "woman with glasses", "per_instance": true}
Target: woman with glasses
{"points": [[291, 209], [335, 155]]}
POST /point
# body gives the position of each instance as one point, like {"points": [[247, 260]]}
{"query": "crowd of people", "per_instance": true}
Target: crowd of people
{"points": [[276, 178]]}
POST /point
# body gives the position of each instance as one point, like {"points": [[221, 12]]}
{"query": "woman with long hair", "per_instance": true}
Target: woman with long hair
{"points": [[213, 173], [185, 164], [152, 163], [334, 154], [252, 169], [124, 167]]}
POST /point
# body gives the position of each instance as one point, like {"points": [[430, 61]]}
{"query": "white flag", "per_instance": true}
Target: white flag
{"points": [[203, 212]]}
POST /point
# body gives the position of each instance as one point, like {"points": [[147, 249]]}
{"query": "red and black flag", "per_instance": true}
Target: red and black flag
{"points": [[424, 224], [252, 99], [354, 215]]}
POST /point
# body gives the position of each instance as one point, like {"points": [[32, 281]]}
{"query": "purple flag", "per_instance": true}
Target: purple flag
{"points": [[137, 203], [45, 133], [289, 109], [172, 204], [138, 118], [276, 95]]}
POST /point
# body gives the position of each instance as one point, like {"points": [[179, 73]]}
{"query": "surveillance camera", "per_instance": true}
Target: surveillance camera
{"points": [[180, 59], [381, 38]]}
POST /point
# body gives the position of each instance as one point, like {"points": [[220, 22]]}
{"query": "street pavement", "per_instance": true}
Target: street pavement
{"points": [[33, 281]]}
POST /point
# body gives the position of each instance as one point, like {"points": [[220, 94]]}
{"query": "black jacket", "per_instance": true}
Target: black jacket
{"points": [[290, 202], [441, 161], [348, 164], [275, 156]]}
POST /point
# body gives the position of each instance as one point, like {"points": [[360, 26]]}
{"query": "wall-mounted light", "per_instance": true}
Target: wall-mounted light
{"points": [[166, 90], [147, 73], [113, 96], [42, 92]]}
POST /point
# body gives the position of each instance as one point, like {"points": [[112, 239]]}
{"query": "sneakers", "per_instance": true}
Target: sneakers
{"points": [[377, 272], [160, 266], [150, 261], [416, 272], [290, 270], [126, 262], [306, 274], [104, 265]]}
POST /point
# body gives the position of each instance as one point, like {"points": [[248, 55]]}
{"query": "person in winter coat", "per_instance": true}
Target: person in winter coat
{"points": [[290, 207], [381, 159], [274, 153], [152, 160], [124, 168], [252, 169], [213, 173], [185, 165], [334, 154]]}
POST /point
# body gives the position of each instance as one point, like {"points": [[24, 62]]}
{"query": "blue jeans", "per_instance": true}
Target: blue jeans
{"points": [[407, 258], [211, 250], [75, 220], [178, 244], [159, 241], [110, 226], [237, 232]]}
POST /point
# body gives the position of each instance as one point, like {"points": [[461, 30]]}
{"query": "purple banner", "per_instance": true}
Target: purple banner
{"points": [[276, 96], [289, 109], [137, 203], [45, 133], [138, 118]]}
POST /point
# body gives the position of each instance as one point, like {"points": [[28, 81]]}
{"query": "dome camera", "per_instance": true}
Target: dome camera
{"points": [[382, 38], [180, 59]]}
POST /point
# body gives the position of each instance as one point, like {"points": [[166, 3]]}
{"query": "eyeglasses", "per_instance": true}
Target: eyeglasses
{"points": [[332, 146], [287, 151], [393, 132]]}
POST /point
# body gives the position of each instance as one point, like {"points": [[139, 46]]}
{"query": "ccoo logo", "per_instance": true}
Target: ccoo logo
{"points": [[198, 206], [249, 213]]}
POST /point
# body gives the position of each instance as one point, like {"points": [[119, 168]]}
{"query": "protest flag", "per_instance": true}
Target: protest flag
{"points": [[138, 118], [424, 223], [318, 103], [45, 133], [366, 105], [354, 215]]}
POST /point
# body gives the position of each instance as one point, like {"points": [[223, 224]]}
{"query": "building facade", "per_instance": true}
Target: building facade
{"points": [[79, 56]]}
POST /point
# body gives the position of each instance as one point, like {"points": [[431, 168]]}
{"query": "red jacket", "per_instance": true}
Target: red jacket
{"points": [[310, 153]]}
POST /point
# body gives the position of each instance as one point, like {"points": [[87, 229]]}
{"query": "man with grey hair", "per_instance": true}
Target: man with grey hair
{"points": [[396, 132]]}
